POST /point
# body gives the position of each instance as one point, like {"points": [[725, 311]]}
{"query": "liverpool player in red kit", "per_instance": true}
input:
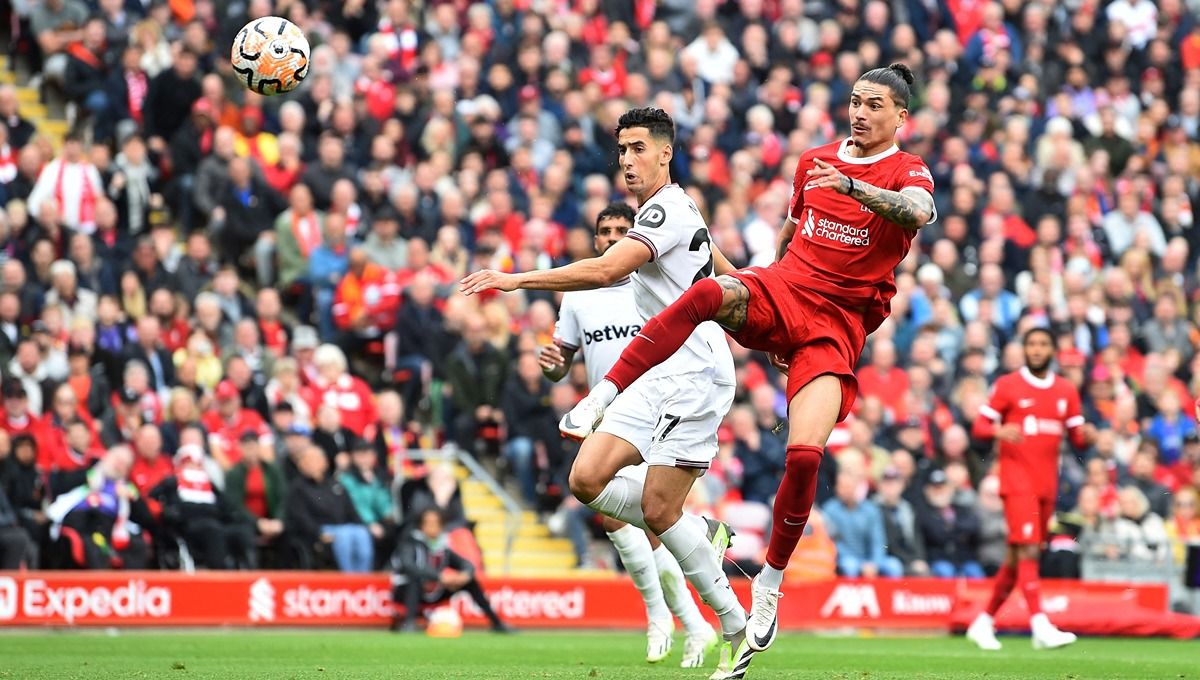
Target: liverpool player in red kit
{"points": [[856, 206], [1028, 412]]}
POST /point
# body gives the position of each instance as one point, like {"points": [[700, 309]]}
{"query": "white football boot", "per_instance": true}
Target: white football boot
{"points": [[982, 632]]}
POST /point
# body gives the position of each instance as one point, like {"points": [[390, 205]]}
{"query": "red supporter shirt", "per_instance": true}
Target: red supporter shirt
{"points": [[353, 398], [256, 491], [146, 475], [1045, 408], [890, 388], [274, 337], [841, 248], [225, 436]]}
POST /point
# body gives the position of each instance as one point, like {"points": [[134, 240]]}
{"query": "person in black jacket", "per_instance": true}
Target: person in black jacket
{"points": [[531, 423], [248, 208], [428, 572], [319, 510], [904, 539], [476, 372], [22, 489], [420, 340], [951, 531], [149, 350], [15, 544], [169, 99], [87, 74]]}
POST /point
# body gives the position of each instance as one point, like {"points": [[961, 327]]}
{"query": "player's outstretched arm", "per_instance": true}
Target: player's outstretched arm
{"points": [[911, 207], [616, 263]]}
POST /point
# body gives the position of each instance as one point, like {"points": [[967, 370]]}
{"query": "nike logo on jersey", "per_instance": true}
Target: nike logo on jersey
{"points": [[1024, 403]]}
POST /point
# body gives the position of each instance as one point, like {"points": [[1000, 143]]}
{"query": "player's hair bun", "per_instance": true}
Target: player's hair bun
{"points": [[904, 71]]}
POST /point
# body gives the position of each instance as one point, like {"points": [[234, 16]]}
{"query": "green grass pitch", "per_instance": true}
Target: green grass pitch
{"points": [[230, 654]]}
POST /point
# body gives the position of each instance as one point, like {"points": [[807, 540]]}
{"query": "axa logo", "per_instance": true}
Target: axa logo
{"points": [[8, 598], [262, 601], [852, 601]]}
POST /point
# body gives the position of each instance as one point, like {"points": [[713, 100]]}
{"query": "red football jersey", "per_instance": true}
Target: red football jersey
{"points": [[841, 247], [1045, 408], [224, 437]]}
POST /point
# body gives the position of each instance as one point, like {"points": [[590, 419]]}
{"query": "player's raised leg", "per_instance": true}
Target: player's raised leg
{"points": [[637, 555], [723, 299], [812, 414]]}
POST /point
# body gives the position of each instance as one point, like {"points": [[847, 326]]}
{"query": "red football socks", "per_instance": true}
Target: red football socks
{"points": [[663, 335], [793, 503], [1031, 586], [1006, 578]]}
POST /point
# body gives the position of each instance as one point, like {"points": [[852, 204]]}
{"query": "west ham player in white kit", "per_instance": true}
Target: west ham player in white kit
{"points": [[668, 419], [599, 323]]}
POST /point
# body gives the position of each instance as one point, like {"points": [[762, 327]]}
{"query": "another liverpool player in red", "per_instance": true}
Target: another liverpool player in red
{"points": [[856, 206], [1028, 413]]}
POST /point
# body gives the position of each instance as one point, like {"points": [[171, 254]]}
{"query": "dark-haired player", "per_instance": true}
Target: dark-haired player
{"points": [[1028, 413], [599, 324], [856, 206], [669, 419]]}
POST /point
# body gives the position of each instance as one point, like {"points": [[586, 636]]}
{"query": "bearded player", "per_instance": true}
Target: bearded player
{"points": [[856, 206], [599, 323], [1028, 413], [669, 419]]}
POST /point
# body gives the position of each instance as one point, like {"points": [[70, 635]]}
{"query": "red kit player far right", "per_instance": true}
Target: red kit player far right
{"points": [[1029, 412]]}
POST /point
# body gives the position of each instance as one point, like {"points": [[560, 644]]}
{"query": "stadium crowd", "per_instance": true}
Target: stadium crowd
{"points": [[219, 311]]}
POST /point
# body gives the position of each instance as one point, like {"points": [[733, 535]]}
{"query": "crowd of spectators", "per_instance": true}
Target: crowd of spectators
{"points": [[183, 278]]}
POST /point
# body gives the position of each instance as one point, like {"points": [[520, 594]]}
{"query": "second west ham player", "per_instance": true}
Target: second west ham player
{"points": [[600, 323], [856, 206], [1028, 413]]}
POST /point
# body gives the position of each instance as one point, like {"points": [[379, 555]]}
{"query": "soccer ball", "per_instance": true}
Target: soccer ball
{"points": [[271, 55], [444, 622]]}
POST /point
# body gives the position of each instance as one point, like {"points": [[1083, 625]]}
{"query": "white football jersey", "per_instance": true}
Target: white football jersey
{"points": [[599, 322], [669, 223]]}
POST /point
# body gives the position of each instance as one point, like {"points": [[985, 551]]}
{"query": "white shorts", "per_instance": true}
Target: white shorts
{"points": [[672, 420]]}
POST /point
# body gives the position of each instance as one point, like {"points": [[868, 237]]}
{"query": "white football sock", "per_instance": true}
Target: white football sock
{"points": [[605, 391], [621, 499], [770, 577], [638, 558], [677, 595], [700, 565]]}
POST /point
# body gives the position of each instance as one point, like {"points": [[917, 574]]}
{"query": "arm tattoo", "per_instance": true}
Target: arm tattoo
{"points": [[735, 303], [910, 210]]}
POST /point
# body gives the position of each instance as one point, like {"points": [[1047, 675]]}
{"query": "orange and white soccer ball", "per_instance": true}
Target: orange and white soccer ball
{"points": [[444, 622], [270, 55]]}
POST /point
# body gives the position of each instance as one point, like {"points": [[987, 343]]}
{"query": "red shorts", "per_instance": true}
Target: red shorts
{"points": [[1028, 518], [816, 335]]}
